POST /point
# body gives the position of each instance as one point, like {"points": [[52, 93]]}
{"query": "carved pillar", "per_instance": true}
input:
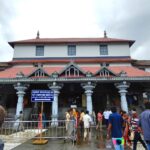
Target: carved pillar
{"points": [[20, 92], [88, 87], [56, 88], [122, 86]]}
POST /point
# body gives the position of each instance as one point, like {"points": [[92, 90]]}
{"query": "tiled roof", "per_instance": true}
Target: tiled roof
{"points": [[130, 71], [142, 63], [93, 70], [11, 72], [70, 40], [76, 60], [51, 70]]}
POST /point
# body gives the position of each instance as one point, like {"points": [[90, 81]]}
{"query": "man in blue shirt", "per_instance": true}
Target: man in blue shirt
{"points": [[144, 123], [115, 128]]}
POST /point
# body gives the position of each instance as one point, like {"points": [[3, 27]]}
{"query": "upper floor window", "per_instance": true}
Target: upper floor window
{"points": [[103, 50], [71, 50], [40, 50]]}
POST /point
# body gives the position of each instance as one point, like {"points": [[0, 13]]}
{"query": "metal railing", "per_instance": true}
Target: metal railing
{"points": [[25, 130]]}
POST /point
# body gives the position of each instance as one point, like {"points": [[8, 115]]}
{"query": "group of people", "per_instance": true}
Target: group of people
{"points": [[123, 128], [82, 119]]}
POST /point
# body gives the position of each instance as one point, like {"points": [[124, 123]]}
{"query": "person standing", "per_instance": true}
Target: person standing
{"points": [[81, 122], [134, 125], [93, 115], [126, 125], [99, 120], [144, 123], [115, 129], [20, 117], [87, 121], [67, 120], [106, 114]]}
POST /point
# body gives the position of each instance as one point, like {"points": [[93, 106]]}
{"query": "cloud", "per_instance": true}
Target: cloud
{"points": [[6, 15], [59, 18], [128, 19]]}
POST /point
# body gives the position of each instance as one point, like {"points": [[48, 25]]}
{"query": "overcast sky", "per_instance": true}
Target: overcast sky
{"points": [[127, 19]]}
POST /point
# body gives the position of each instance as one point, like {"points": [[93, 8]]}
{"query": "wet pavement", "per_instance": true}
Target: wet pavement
{"points": [[95, 143]]}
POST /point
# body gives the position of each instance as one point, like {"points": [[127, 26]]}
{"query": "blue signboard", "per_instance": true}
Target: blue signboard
{"points": [[42, 96]]}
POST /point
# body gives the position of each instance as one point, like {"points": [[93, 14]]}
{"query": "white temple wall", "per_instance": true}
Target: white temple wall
{"points": [[82, 50]]}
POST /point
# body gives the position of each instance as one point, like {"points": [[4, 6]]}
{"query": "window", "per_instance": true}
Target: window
{"points": [[103, 50], [72, 71], [71, 50], [40, 50]]}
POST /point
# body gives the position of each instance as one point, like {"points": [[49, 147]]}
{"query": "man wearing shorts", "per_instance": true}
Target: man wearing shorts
{"points": [[115, 129]]}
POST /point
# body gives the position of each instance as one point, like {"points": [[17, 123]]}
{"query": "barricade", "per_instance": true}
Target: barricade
{"points": [[25, 130]]}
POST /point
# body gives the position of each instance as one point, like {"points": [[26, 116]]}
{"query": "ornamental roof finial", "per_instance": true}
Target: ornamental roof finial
{"points": [[105, 34], [38, 35]]}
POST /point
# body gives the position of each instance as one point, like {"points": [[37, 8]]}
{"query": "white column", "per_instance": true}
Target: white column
{"points": [[89, 91], [56, 88], [20, 92], [122, 86]]}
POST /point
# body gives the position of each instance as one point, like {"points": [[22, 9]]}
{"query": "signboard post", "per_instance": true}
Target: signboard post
{"points": [[41, 96]]}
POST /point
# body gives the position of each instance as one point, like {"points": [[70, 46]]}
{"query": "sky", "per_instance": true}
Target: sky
{"points": [[125, 19]]}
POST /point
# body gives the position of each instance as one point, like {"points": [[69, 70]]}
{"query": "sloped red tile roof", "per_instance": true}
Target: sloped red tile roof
{"points": [[90, 69], [51, 70], [70, 40], [11, 72], [130, 71]]}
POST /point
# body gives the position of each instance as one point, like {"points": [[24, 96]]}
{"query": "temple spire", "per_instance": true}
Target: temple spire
{"points": [[38, 35], [105, 34]]}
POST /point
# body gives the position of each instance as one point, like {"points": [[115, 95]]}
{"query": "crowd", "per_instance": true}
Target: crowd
{"points": [[121, 127], [129, 128]]}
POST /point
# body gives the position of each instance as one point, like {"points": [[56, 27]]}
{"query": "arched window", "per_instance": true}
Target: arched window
{"points": [[72, 71]]}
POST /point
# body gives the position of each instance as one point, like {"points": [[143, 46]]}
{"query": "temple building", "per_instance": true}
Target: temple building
{"points": [[85, 73]]}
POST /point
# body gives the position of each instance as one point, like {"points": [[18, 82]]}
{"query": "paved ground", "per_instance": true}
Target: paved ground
{"points": [[94, 144], [14, 142]]}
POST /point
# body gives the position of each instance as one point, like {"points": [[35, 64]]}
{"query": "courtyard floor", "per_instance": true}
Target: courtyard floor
{"points": [[95, 143]]}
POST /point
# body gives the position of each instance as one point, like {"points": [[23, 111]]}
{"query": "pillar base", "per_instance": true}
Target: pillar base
{"points": [[54, 123]]}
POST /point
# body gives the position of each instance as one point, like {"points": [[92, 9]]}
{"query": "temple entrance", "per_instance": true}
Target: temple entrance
{"points": [[104, 96], [71, 96], [99, 102]]}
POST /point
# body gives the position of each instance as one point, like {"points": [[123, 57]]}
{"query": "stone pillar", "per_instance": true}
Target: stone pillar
{"points": [[20, 92], [148, 94], [122, 86], [56, 88], [88, 87], [35, 108]]}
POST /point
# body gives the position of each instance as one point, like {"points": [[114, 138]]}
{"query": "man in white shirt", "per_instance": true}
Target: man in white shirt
{"points": [[106, 115], [67, 120], [87, 121]]}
